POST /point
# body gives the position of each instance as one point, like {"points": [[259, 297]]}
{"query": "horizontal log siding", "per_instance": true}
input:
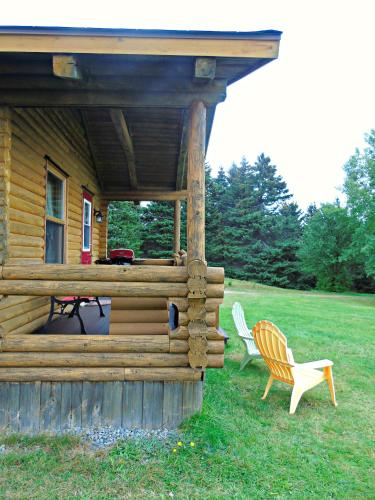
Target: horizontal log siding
{"points": [[138, 325], [34, 134], [148, 274]]}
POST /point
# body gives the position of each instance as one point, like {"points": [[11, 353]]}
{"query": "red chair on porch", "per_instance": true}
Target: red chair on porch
{"points": [[75, 302]]}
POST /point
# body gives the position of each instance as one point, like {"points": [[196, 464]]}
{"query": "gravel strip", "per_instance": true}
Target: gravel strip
{"points": [[102, 437]]}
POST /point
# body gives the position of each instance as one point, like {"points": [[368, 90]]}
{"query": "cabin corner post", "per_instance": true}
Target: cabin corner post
{"points": [[177, 227], [5, 160], [196, 265]]}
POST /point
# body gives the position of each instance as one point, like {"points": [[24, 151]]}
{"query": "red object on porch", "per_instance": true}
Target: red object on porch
{"points": [[122, 252]]}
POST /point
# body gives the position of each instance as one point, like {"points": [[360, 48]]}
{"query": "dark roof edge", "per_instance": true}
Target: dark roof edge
{"points": [[55, 30]]}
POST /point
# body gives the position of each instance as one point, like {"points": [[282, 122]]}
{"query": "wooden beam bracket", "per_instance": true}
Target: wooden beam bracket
{"points": [[205, 68], [182, 159], [66, 66]]}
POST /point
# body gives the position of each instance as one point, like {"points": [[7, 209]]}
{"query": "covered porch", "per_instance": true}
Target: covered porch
{"points": [[96, 116]]}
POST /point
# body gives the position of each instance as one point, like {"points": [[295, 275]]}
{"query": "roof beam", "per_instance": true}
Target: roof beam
{"points": [[144, 195], [210, 94], [118, 119], [146, 45], [122, 83], [182, 159]]}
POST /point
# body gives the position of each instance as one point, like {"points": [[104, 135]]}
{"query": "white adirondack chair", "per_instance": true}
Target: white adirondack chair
{"points": [[245, 334]]}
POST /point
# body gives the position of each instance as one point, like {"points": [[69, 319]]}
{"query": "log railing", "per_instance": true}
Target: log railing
{"points": [[114, 281], [128, 355]]}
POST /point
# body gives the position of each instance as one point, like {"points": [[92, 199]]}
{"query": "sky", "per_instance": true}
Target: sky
{"points": [[308, 110]]}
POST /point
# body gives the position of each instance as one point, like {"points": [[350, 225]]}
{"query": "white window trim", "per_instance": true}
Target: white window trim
{"points": [[86, 202]]}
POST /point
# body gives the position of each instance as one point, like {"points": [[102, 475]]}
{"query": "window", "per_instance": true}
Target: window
{"points": [[86, 228], [86, 225], [55, 219]]}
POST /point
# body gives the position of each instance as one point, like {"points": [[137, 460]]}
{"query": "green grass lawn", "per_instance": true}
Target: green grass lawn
{"points": [[244, 447]]}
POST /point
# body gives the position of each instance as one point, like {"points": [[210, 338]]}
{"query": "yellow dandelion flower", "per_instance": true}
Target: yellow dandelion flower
{"points": [[174, 450], [192, 444], [179, 443]]}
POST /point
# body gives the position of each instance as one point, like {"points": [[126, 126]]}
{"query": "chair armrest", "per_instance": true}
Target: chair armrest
{"points": [[245, 336], [323, 363]]}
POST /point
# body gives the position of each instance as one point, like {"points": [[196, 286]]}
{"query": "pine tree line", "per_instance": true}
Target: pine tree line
{"points": [[256, 231]]}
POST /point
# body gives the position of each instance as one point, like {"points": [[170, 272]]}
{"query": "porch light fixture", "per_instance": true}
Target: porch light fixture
{"points": [[98, 216]]}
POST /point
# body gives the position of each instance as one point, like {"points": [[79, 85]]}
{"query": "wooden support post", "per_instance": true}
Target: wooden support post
{"points": [[103, 230], [177, 227], [5, 147], [197, 266], [196, 183]]}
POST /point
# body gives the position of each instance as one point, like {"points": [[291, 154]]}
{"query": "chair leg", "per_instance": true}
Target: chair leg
{"points": [[296, 396], [83, 331], [268, 387], [102, 315], [246, 359], [329, 378]]}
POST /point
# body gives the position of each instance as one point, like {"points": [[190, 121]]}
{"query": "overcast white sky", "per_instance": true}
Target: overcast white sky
{"points": [[308, 110]]}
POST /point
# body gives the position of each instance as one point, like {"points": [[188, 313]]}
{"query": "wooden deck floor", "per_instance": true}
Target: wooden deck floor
{"points": [[94, 324]]}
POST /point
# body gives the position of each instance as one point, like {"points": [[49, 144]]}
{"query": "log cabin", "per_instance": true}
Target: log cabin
{"points": [[88, 116]]}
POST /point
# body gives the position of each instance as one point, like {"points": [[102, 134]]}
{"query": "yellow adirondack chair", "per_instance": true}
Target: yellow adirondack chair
{"points": [[272, 345]]}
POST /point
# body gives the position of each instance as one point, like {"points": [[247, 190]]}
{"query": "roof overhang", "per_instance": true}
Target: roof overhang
{"points": [[131, 87], [262, 44]]}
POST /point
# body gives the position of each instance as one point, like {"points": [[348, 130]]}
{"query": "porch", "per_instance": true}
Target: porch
{"points": [[88, 117]]}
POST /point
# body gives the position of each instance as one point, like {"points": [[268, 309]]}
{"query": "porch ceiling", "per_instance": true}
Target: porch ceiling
{"points": [[133, 89], [152, 164]]}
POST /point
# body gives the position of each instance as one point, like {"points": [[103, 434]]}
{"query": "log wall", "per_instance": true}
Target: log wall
{"points": [[26, 137]]}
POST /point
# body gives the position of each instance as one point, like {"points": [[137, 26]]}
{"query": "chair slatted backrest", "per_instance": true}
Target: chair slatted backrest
{"points": [[240, 322], [272, 345]]}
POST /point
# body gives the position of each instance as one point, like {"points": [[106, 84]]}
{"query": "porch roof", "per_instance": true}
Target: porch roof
{"points": [[133, 89]]}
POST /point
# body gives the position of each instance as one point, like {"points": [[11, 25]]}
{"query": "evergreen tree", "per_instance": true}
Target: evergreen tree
{"points": [[268, 189], [157, 229], [311, 210], [257, 226], [124, 229], [215, 216], [157, 219], [288, 232]]}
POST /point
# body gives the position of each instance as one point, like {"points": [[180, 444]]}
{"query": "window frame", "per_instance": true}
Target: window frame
{"points": [[90, 203], [62, 222]]}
